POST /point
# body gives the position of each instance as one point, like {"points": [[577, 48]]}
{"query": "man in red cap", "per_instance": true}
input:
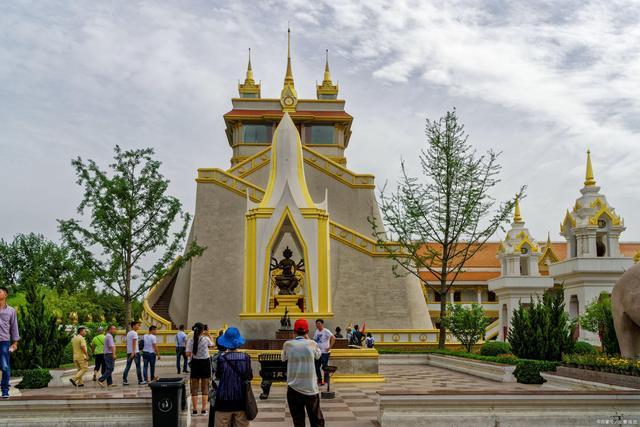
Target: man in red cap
{"points": [[302, 391]]}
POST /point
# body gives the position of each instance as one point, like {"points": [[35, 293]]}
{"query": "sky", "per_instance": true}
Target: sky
{"points": [[538, 81]]}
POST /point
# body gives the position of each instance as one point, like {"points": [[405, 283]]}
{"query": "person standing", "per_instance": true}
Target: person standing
{"points": [[109, 358], [325, 340], [338, 333], [197, 350], [302, 386], [233, 370], [9, 338], [97, 348], [181, 342], [133, 354], [150, 353], [80, 357], [356, 337], [370, 341]]}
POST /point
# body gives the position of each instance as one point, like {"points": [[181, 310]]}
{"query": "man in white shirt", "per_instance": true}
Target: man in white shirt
{"points": [[181, 350], [133, 355], [325, 340], [302, 391], [150, 353]]}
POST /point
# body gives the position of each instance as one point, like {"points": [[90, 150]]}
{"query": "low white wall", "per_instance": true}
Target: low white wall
{"points": [[534, 409]]}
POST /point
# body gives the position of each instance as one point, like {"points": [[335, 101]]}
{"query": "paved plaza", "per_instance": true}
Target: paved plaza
{"points": [[356, 404]]}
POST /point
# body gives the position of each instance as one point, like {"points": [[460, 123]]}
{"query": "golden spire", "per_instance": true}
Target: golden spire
{"points": [[327, 75], [249, 89], [288, 77], [588, 179], [516, 211], [327, 90], [249, 77], [288, 95]]}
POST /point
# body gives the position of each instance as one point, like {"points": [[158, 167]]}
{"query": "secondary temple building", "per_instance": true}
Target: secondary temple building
{"points": [[286, 228]]}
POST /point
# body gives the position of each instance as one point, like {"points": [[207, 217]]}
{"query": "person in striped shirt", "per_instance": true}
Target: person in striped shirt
{"points": [[302, 391]]}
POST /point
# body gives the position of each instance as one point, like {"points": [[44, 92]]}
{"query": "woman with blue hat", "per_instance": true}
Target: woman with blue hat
{"points": [[234, 374]]}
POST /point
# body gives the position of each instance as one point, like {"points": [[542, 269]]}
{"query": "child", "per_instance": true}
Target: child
{"points": [[369, 341]]}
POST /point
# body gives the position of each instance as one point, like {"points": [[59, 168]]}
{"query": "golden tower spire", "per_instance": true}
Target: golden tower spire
{"points": [[516, 211], [288, 95], [249, 89], [249, 77], [327, 90], [327, 74], [588, 179], [288, 77]]}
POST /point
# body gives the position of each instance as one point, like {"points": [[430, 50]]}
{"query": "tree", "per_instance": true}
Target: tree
{"points": [[598, 318], [33, 257], [468, 325], [42, 340], [442, 221], [541, 330], [128, 242]]}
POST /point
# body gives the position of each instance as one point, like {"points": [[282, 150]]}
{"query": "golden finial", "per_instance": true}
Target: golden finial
{"points": [[588, 179], [249, 89], [548, 238], [516, 211], [249, 77], [288, 95], [327, 90], [327, 75], [288, 77]]}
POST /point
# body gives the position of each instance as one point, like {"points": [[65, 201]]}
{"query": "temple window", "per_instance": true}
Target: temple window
{"points": [[257, 133], [319, 134], [457, 296], [436, 296], [491, 297]]}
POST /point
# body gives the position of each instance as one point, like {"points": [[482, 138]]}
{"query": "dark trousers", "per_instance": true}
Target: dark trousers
{"points": [[298, 402], [130, 361], [5, 365], [181, 352], [109, 365], [149, 362], [323, 362], [99, 364]]}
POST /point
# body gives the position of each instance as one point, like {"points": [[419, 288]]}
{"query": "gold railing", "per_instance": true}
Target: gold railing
{"points": [[338, 232], [150, 317], [312, 158]]}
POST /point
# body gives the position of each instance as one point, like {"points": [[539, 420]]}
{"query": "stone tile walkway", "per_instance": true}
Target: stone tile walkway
{"points": [[355, 405]]}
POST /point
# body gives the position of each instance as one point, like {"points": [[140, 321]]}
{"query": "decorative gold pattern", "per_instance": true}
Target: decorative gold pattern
{"points": [[589, 181], [327, 88]]}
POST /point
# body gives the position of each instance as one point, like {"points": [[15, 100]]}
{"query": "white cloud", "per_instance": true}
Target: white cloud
{"points": [[540, 81]]}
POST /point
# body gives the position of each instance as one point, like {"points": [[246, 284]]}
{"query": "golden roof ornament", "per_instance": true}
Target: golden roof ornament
{"points": [[288, 95], [327, 90], [516, 213], [249, 89], [589, 181]]}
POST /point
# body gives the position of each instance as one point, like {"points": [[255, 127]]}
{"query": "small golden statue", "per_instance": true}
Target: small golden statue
{"points": [[287, 281]]}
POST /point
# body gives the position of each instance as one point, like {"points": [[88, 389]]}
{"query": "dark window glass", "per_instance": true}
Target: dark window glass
{"points": [[256, 134]]}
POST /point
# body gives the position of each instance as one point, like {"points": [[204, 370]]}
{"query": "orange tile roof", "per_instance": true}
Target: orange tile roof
{"points": [[486, 256]]}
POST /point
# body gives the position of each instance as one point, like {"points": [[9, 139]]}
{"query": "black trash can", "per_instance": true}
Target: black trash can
{"points": [[168, 399]]}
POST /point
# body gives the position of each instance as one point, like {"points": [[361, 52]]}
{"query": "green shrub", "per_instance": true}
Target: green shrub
{"points": [[468, 325], [598, 318], [42, 340], [495, 348], [541, 329], [582, 347], [35, 378], [528, 371], [604, 363]]}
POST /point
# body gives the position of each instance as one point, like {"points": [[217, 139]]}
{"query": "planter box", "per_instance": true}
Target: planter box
{"points": [[560, 382], [404, 359], [490, 371], [599, 377]]}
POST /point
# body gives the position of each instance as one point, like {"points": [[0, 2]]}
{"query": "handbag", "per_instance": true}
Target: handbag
{"points": [[213, 386], [250, 406]]}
